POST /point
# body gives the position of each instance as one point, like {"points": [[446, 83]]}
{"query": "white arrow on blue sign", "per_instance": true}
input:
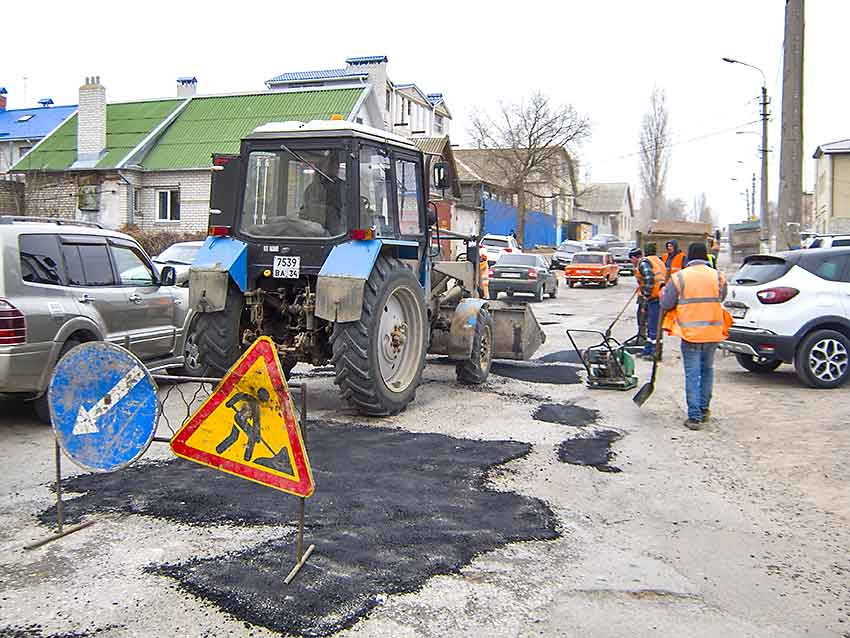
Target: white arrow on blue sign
{"points": [[103, 406]]}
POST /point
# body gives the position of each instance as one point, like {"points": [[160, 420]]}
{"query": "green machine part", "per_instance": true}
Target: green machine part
{"points": [[628, 363]]}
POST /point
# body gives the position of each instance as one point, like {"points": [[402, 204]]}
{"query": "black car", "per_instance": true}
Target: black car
{"points": [[523, 273]]}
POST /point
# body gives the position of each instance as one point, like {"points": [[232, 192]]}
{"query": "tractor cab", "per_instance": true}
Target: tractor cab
{"points": [[297, 190]]}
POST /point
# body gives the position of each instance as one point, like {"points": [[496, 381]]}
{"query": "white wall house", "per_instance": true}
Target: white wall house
{"points": [[406, 109]]}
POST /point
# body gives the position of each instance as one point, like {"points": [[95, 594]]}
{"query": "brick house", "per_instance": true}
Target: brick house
{"points": [[148, 162], [405, 108], [609, 207]]}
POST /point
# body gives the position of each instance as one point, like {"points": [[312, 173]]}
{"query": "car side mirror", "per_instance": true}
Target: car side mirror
{"points": [[168, 276]]}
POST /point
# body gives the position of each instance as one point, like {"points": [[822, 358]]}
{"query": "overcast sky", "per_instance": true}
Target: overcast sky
{"points": [[603, 56]]}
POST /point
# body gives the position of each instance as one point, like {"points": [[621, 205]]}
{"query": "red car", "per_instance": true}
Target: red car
{"points": [[592, 268]]}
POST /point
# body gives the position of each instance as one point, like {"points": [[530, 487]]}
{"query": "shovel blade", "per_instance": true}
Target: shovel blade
{"points": [[644, 393]]}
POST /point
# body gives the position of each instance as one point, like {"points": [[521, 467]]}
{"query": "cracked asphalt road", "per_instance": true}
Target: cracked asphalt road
{"points": [[740, 530]]}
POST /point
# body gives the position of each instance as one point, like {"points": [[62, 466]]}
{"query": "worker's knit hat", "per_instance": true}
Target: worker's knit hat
{"points": [[697, 251]]}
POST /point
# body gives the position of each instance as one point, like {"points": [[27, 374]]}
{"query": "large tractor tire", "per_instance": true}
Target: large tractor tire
{"points": [[474, 370], [217, 336], [378, 359]]}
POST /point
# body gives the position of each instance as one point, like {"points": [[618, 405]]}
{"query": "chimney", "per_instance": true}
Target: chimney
{"points": [[376, 67], [187, 86], [3, 98], [91, 123]]}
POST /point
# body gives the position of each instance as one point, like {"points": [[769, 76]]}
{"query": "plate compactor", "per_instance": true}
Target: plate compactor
{"points": [[608, 363]]}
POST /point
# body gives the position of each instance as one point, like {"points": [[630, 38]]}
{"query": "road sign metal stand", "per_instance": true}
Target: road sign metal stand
{"points": [[300, 555], [61, 530]]}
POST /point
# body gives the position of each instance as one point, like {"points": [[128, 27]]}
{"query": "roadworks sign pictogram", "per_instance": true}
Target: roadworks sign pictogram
{"points": [[248, 426]]}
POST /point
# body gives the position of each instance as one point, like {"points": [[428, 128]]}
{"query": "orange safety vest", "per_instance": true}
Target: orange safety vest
{"points": [[699, 316], [483, 275], [660, 272], [676, 263]]}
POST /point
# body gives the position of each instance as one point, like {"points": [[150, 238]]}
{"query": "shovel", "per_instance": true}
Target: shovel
{"points": [[648, 388]]}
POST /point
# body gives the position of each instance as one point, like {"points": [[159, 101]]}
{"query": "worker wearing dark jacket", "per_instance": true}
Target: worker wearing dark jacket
{"points": [[651, 274], [675, 259], [692, 303]]}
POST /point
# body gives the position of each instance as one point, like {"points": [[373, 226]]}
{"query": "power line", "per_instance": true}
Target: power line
{"points": [[681, 142]]}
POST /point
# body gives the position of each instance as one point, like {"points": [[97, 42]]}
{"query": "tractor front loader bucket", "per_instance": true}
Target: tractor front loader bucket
{"points": [[516, 333]]}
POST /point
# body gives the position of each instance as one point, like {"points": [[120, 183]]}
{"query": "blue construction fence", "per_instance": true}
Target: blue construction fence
{"points": [[541, 229]]}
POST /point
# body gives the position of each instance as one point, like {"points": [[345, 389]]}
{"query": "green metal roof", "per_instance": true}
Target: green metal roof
{"points": [[127, 124], [216, 124]]}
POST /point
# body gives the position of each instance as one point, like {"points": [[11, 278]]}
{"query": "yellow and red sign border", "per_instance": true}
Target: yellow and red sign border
{"points": [[264, 349]]}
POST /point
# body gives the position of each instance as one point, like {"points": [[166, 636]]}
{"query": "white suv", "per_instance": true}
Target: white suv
{"points": [[494, 245], [793, 307], [828, 241]]}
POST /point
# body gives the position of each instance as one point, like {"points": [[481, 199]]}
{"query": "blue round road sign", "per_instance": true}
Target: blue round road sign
{"points": [[103, 406]]}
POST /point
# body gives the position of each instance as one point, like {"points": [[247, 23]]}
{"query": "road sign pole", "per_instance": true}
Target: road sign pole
{"points": [[61, 530], [300, 555]]}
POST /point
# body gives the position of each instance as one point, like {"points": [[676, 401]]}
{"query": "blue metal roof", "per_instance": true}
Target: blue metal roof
{"points": [[43, 121], [367, 59], [325, 74]]}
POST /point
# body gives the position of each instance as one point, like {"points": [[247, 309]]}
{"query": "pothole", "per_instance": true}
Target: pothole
{"points": [[565, 414], [592, 450]]}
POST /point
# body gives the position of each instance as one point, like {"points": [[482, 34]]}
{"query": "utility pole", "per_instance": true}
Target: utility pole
{"points": [[764, 230], [791, 153], [753, 195]]}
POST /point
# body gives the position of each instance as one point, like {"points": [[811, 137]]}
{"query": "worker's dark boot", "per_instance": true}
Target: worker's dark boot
{"points": [[706, 415], [693, 425]]}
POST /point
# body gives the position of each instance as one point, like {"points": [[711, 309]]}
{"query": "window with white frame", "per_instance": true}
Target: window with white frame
{"points": [[438, 123], [137, 200], [168, 205]]}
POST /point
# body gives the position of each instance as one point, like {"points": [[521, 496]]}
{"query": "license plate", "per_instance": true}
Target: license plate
{"points": [[286, 267], [737, 313], [584, 272], [513, 275]]}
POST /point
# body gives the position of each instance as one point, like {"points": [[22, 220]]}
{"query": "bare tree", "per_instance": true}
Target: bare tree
{"points": [[702, 211], [655, 151], [673, 209], [533, 146]]}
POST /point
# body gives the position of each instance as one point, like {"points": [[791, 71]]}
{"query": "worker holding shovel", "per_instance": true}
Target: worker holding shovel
{"points": [[651, 274], [692, 302]]}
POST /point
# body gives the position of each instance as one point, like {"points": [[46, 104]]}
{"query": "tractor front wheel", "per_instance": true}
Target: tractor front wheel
{"points": [[474, 370], [378, 359]]}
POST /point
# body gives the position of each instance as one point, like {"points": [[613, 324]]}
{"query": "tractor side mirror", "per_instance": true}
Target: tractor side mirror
{"points": [[432, 214], [441, 176]]}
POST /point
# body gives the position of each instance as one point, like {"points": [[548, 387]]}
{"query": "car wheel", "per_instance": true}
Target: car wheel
{"points": [[538, 294], [823, 359], [571, 284], [759, 365], [192, 366], [616, 280]]}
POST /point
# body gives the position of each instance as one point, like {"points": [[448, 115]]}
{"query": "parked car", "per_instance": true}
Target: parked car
{"points": [[564, 253], [523, 273], [64, 284], [592, 268], [601, 241], [827, 241], [494, 245], [793, 307], [619, 251], [180, 257]]}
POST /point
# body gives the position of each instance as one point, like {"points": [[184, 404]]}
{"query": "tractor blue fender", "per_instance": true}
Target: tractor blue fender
{"points": [[339, 290], [462, 331], [219, 260]]}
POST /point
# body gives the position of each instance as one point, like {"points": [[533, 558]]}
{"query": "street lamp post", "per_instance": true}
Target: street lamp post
{"points": [[764, 232]]}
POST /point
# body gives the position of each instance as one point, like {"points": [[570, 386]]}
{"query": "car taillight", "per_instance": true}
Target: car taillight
{"points": [[509, 250], [13, 327], [218, 231], [777, 295], [532, 274]]}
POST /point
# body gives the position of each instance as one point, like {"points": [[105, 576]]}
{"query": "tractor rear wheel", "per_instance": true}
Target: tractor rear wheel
{"points": [[217, 336], [474, 370], [378, 359]]}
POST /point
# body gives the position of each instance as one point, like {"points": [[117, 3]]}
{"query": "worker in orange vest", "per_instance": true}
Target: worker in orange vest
{"points": [[675, 259], [651, 273], [692, 301], [483, 276]]}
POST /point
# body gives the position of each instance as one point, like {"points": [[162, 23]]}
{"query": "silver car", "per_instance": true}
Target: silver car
{"points": [[65, 283]]}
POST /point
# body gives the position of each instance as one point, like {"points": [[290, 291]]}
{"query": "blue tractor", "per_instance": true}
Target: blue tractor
{"points": [[322, 239]]}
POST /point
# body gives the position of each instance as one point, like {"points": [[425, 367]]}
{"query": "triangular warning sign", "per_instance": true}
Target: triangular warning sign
{"points": [[248, 427]]}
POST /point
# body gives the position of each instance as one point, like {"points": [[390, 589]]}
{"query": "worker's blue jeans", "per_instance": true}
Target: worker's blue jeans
{"points": [[652, 309], [698, 359]]}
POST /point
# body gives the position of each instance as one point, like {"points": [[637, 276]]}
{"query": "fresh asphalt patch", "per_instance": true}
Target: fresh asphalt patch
{"points": [[562, 356], [565, 414], [536, 372], [391, 509], [593, 450]]}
